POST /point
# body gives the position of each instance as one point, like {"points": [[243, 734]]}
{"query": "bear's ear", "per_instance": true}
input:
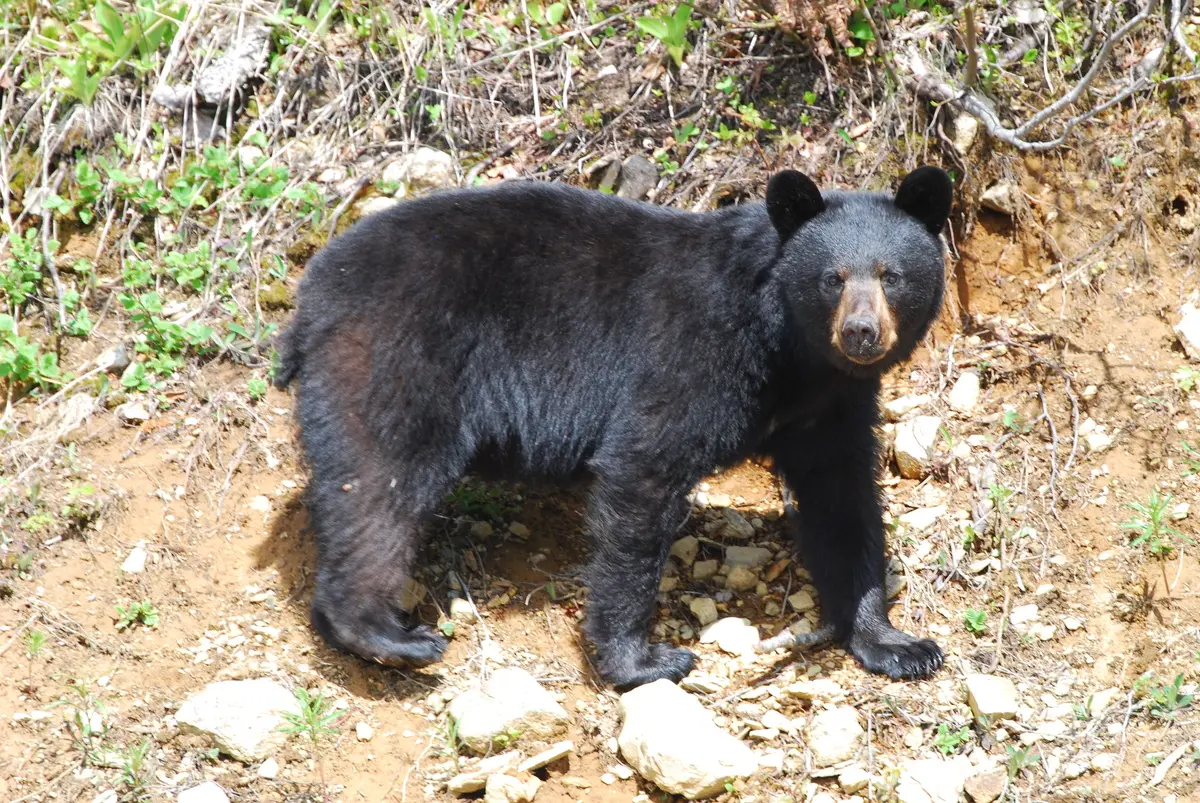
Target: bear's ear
{"points": [[792, 200], [926, 193]]}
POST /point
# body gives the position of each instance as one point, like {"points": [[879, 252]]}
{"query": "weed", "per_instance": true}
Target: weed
{"points": [[135, 775], [949, 741], [35, 642], [22, 363], [1151, 528], [1165, 700], [1191, 459], [143, 613], [256, 387], [1019, 759], [975, 621], [670, 29], [313, 721]]}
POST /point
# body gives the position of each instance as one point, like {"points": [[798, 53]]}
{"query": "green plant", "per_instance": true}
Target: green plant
{"points": [[1185, 378], [949, 741], [22, 363], [1150, 524], [1019, 759], [975, 621], [314, 720], [135, 775], [1191, 459], [143, 613], [670, 29], [1166, 700], [256, 387], [35, 642]]}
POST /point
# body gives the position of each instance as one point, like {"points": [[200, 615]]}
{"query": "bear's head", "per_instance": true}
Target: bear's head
{"points": [[862, 272]]}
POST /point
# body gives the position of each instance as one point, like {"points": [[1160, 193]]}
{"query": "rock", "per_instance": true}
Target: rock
{"points": [[424, 168], [1071, 623], [1023, 614], [548, 756], [242, 717], [411, 595], [1071, 770], [509, 704], [898, 408], [686, 549], [705, 569], [107, 796], [461, 610], [364, 732], [519, 530], [933, 780], [853, 779], [992, 697], [801, 602], [777, 721], [718, 501], [507, 789], [475, 778], [705, 610], [638, 177], [670, 739], [834, 735], [986, 787], [965, 128], [1099, 702], [133, 412], [964, 396], [1188, 330], [241, 60], [72, 413], [736, 525], [820, 690], [755, 557], [207, 792], [999, 198], [373, 204], [741, 578], [922, 519], [269, 769], [733, 635], [482, 530], [704, 684], [621, 771], [1103, 762], [135, 561], [914, 445]]}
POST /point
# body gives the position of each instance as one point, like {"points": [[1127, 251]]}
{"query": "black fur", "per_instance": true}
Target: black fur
{"points": [[557, 333]]}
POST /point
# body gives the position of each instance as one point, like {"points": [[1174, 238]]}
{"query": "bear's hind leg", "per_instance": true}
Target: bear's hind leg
{"points": [[633, 524]]}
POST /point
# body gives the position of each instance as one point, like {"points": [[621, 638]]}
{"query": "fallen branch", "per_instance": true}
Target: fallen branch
{"points": [[938, 89]]}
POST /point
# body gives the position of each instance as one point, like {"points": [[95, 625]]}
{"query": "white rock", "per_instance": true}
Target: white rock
{"points": [[999, 198], [507, 789], [921, 519], [1023, 613], [834, 735], [242, 717], [898, 408], [733, 635], [741, 578], [1188, 330], [704, 609], [992, 697], [133, 412], [704, 684], [853, 779], [933, 780], [423, 168], [801, 602], [755, 557], [1103, 762], [508, 705], [987, 786], [1098, 440], [135, 561], [461, 610], [670, 739], [207, 792], [621, 771], [914, 445], [373, 205], [685, 549], [548, 756], [964, 396], [475, 778], [259, 504], [1049, 731], [364, 731], [1101, 700], [269, 769], [1071, 623], [820, 689], [107, 796], [965, 129]]}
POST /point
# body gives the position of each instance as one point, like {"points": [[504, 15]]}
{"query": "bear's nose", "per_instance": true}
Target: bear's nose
{"points": [[860, 331]]}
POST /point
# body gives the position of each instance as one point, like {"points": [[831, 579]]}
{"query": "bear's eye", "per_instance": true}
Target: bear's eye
{"points": [[891, 279], [833, 280]]}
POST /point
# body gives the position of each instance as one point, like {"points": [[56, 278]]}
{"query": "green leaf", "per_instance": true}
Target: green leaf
{"points": [[555, 13], [653, 26]]}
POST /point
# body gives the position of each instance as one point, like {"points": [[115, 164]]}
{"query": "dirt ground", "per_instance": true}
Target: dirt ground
{"points": [[1065, 307]]}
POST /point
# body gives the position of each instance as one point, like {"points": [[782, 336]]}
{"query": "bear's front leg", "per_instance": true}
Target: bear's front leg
{"points": [[633, 523], [829, 469]]}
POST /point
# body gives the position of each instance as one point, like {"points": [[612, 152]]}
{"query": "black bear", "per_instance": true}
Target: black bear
{"points": [[552, 332]]}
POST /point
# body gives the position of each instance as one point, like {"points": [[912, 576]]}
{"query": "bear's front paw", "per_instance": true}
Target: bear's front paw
{"points": [[380, 637], [659, 661], [892, 652]]}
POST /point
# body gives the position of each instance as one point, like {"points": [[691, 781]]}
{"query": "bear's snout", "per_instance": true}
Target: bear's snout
{"points": [[864, 328], [860, 339]]}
